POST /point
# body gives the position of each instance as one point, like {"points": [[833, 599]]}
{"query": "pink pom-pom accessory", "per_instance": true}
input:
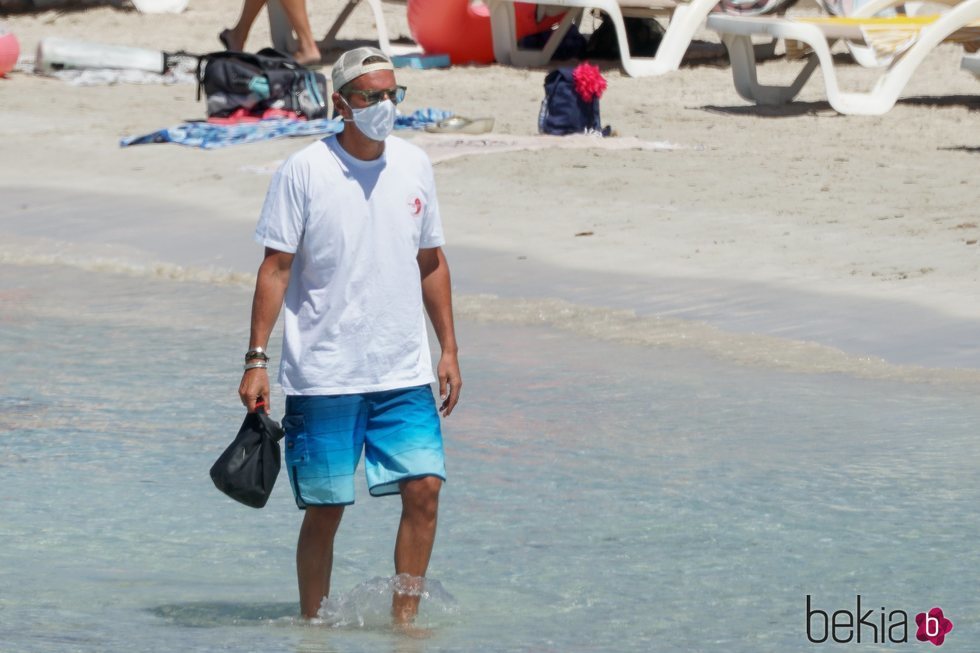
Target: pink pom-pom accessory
{"points": [[589, 82]]}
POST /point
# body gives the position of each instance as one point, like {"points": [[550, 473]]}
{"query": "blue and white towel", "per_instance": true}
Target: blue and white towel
{"points": [[209, 137]]}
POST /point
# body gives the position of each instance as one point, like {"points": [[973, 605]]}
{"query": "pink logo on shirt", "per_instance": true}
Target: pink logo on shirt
{"points": [[415, 205]]}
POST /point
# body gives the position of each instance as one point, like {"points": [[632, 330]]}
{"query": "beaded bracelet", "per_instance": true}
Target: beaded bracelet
{"points": [[256, 354]]}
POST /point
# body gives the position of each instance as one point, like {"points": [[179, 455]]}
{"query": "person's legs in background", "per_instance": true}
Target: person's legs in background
{"points": [[308, 51]]}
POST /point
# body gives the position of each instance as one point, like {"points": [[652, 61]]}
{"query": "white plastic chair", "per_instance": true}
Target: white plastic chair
{"points": [[685, 19], [737, 32]]}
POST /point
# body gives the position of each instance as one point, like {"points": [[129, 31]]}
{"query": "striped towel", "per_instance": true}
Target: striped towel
{"points": [[210, 136]]}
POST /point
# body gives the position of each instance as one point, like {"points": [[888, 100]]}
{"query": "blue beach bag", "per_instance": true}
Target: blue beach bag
{"points": [[563, 111]]}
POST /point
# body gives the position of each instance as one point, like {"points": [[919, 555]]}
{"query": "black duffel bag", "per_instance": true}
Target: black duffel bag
{"points": [[257, 82], [247, 470]]}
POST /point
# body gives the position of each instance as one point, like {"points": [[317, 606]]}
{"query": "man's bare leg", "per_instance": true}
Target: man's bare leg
{"points": [[314, 556], [308, 52], [234, 38], [413, 546]]}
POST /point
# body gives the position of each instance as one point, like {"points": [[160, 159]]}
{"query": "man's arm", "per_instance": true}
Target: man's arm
{"points": [[270, 288], [437, 297]]}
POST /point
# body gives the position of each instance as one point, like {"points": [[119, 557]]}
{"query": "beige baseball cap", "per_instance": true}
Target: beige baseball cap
{"points": [[351, 65]]}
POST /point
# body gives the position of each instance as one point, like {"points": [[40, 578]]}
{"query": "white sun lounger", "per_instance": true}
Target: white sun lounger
{"points": [[866, 55], [685, 19], [284, 40], [737, 32]]}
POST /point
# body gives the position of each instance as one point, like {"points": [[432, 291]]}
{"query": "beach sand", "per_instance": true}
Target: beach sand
{"points": [[785, 201]]}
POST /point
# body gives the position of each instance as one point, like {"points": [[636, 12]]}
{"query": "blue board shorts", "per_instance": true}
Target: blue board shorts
{"points": [[397, 429]]}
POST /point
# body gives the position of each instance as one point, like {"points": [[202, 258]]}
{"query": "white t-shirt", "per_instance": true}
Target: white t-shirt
{"points": [[353, 315]]}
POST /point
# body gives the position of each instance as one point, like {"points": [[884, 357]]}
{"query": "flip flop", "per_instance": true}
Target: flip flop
{"points": [[460, 125], [223, 37]]}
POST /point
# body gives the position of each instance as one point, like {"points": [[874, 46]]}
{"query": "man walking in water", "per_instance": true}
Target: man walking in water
{"points": [[352, 239]]}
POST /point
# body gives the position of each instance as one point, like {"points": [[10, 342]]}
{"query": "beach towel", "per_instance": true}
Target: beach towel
{"points": [[444, 147], [209, 136]]}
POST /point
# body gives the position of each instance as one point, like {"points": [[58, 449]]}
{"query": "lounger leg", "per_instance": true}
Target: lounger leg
{"points": [[612, 11], [502, 27], [879, 100], [534, 58], [884, 95], [684, 22], [280, 29], [741, 52], [330, 40], [379, 19], [572, 16], [971, 63]]}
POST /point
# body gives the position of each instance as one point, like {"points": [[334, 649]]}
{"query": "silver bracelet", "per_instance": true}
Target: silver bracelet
{"points": [[256, 365]]}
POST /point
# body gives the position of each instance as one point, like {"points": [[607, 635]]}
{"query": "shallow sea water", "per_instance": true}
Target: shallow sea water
{"points": [[602, 496]]}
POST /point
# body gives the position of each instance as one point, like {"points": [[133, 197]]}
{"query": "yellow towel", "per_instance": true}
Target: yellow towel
{"points": [[890, 36]]}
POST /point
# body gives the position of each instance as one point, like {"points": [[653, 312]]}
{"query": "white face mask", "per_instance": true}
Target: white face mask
{"points": [[376, 121]]}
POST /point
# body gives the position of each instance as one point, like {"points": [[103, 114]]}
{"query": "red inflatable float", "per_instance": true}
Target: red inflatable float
{"points": [[9, 51], [461, 29]]}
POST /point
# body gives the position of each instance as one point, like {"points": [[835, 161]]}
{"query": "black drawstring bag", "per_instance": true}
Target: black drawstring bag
{"points": [[563, 111], [248, 468]]}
